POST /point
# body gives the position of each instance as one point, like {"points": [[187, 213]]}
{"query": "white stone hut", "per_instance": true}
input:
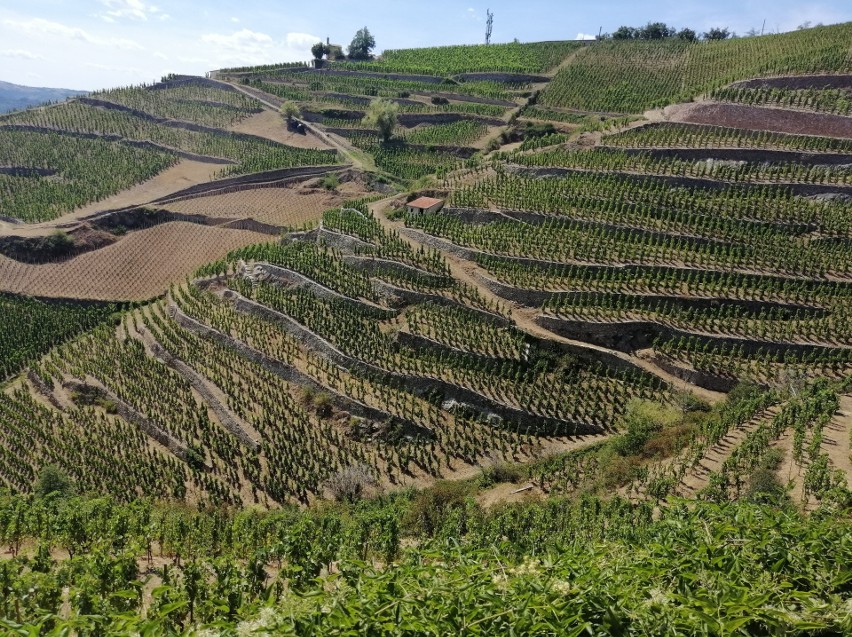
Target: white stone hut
{"points": [[424, 205]]}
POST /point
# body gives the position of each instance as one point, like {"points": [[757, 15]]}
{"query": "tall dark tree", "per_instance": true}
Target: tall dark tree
{"points": [[687, 34], [717, 34], [318, 50], [362, 45], [624, 33], [655, 31]]}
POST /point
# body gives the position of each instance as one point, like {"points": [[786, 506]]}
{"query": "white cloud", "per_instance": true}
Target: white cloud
{"points": [[41, 27], [301, 40], [129, 9], [123, 71], [585, 36], [247, 47], [194, 60], [235, 19], [244, 40], [160, 55], [21, 54]]}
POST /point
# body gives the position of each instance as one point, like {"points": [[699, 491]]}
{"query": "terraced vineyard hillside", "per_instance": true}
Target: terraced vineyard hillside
{"points": [[610, 310], [560, 282]]}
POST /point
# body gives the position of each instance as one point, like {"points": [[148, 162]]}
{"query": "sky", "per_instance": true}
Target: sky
{"points": [[91, 44]]}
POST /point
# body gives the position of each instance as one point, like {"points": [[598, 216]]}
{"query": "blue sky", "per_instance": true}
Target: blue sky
{"points": [[89, 44]]}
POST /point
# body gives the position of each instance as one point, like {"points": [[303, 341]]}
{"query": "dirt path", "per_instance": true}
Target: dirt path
{"points": [[270, 125], [790, 472], [350, 153], [524, 317]]}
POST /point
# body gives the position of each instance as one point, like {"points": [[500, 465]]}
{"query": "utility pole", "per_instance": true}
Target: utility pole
{"points": [[489, 24]]}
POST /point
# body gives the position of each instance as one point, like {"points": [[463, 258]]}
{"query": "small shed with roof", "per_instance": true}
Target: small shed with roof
{"points": [[424, 205]]}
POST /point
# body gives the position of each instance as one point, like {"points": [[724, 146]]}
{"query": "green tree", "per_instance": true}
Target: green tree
{"points": [[382, 114], [624, 33], [289, 110], [655, 31], [319, 50], [687, 34], [717, 34], [362, 45], [51, 479]]}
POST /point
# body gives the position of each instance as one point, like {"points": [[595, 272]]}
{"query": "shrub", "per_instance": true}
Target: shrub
{"points": [[59, 243], [330, 182], [351, 483], [433, 506], [763, 487], [498, 471], [53, 481]]}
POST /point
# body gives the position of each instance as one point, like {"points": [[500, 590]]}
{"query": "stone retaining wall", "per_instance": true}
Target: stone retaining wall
{"points": [[292, 375], [128, 413], [629, 336], [197, 382], [419, 385]]}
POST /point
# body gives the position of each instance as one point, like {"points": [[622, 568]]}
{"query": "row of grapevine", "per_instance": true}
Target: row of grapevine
{"points": [[832, 101], [204, 105], [31, 327], [85, 170], [604, 77], [531, 569], [676, 135], [646, 163], [533, 57]]}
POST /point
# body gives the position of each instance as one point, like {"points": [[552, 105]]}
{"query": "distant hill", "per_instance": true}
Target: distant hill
{"points": [[14, 96]]}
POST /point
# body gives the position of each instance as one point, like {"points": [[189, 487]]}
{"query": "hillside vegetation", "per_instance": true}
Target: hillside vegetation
{"points": [[68, 155], [606, 389], [602, 77]]}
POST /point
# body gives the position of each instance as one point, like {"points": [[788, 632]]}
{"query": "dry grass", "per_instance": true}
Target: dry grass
{"points": [[140, 266]]}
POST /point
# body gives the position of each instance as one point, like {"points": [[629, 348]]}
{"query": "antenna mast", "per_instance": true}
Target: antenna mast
{"points": [[489, 24]]}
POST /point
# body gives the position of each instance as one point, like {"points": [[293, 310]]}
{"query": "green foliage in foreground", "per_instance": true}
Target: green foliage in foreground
{"points": [[557, 567]]}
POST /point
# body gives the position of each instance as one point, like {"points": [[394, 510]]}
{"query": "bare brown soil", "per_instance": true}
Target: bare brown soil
{"points": [[140, 266], [508, 492], [790, 472], [763, 119], [287, 206], [269, 124]]}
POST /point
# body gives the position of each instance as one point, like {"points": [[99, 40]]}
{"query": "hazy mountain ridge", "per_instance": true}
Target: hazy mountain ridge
{"points": [[15, 96]]}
